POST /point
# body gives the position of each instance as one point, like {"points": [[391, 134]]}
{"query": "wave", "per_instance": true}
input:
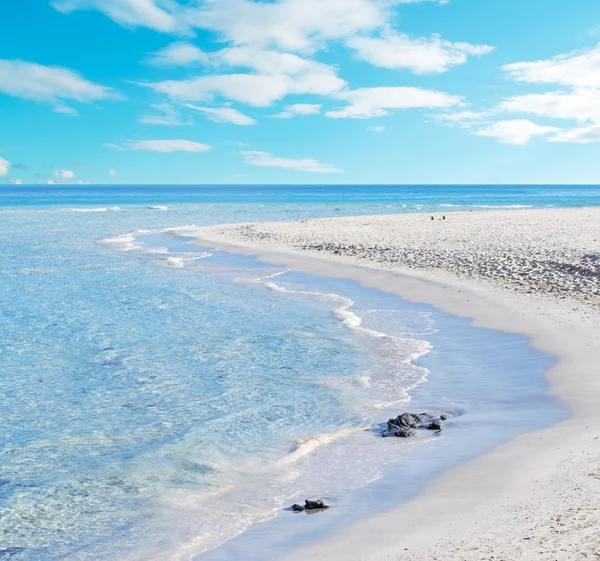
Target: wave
{"points": [[100, 209], [306, 446], [350, 319], [159, 207], [178, 261], [450, 205], [502, 206], [126, 242]]}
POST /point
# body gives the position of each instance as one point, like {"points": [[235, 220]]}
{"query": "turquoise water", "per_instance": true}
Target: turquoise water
{"points": [[157, 399]]}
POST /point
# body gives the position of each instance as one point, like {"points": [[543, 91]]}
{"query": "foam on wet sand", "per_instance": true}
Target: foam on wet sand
{"points": [[535, 272]]}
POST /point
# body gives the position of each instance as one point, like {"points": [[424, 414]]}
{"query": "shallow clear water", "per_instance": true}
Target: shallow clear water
{"points": [[157, 398]]}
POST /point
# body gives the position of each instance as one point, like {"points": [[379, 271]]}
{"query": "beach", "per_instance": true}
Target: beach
{"points": [[531, 272]]}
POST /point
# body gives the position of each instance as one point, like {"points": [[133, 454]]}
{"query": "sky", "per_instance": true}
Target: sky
{"points": [[299, 91]]}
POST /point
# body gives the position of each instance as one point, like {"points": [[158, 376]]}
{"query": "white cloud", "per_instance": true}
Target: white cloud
{"points": [[64, 174], [132, 13], [519, 131], [259, 90], [422, 56], [579, 101], [15, 181], [264, 159], [168, 116], [113, 173], [48, 83], [299, 109], [178, 54], [293, 25], [583, 135], [277, 75], [162, 146], [581, 104], [365, 103], [223, 114], [44, 179], [4, 166], [271, 62], [577, 69], [378, 128], [65, 110], [465, 119]]}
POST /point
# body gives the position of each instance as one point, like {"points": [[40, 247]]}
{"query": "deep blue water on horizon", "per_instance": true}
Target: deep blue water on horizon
{"points": [[416, 197], [158, 398]]}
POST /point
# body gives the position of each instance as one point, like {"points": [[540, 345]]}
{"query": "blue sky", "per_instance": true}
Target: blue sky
{"points": [[300, 91]]}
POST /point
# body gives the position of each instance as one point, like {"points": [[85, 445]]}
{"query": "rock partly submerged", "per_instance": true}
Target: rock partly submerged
{"points": [[310, 506], [405, 425]]}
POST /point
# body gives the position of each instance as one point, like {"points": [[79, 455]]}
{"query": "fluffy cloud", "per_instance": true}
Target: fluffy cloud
{"points": [[422, 56], [259, 90], [48, 83], [519, 131], [299, 109], [580, 101], [264, 159], [223, 114], [377, 128], [577, 69], [178, 54], [463, 119], [265, 61], [65, 110], [133, 13], [4, 166], [167, 116], [15, 181], [582, 104], [112, 173], [292, 25], [162, 146], [365, 103], [276, 76], [583, 135], [64, 174]]}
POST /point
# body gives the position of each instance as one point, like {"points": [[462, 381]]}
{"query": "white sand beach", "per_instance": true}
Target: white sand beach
{"points": [[532, 272]]}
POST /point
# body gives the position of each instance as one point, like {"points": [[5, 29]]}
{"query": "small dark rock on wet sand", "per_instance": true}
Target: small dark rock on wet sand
{"points": [[405, 425], [310, 505]]}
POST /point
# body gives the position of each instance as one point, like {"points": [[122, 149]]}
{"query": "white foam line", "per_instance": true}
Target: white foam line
{"points": [[101, 209], [306, 446], [127, 241], [177, 261], [348, 317]]}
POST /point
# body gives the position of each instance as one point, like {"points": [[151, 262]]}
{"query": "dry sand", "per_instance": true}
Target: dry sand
{"points": [[534, 272]]}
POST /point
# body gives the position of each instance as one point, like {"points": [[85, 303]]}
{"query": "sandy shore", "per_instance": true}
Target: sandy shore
{"points": [[533, 272]]}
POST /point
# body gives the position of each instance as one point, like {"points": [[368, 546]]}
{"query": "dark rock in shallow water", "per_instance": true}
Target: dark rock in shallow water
{"points": [[314, 505], [405, 425], [395, 430], [310, 505], [408, 420]]}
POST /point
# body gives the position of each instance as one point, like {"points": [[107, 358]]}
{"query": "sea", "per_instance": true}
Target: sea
{"points": [[164, 400]]}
